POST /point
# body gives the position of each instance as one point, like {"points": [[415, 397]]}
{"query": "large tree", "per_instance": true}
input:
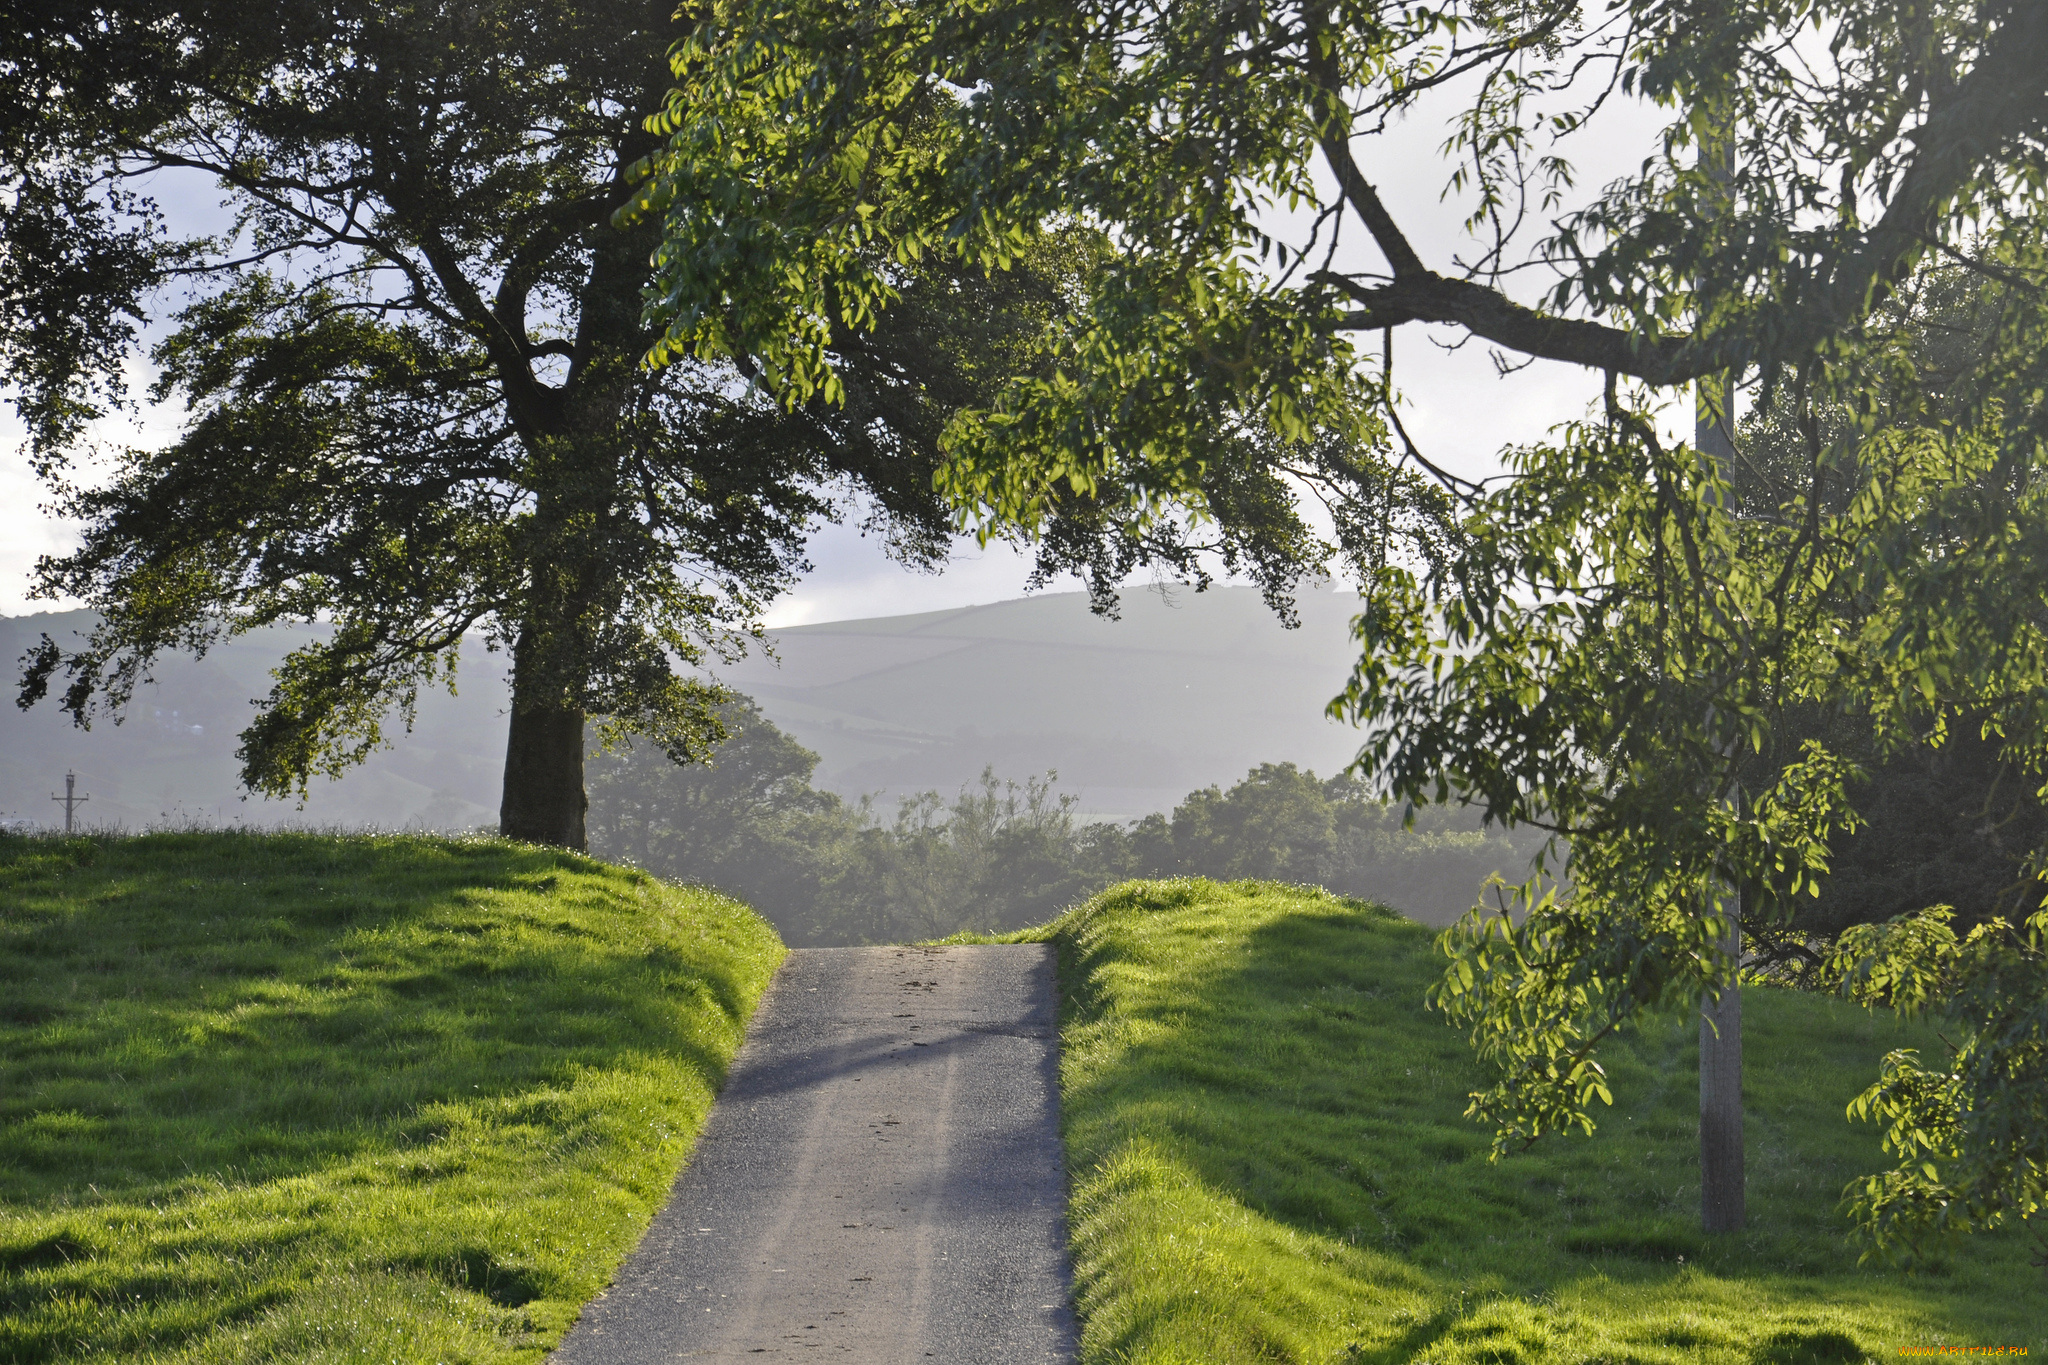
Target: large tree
{"points": [[1601, 642], [409, 356]]}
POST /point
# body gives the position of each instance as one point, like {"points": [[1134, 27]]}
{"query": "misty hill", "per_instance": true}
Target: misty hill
{"points": [[1186, 690], [172, 756]]}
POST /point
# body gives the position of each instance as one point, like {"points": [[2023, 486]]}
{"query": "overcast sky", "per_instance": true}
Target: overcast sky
{"points": [[1460, 411]]}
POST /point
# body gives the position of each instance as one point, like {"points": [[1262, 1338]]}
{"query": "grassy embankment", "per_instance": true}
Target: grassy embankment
{"points": [[1269, 1163], [322, 1099]]}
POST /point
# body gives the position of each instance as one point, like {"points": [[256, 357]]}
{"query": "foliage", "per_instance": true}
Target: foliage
{"points": [[960, 132], [746, 820], [1283, 824], [1604, 655], [409, 366], [827, 872], [1955, 824], [1001, 854], [1269, 1163], [793, 188], [1947, 807], [1625, 675], [1601, 642], [295, 1097], [998, 854], [1967, 1132]]}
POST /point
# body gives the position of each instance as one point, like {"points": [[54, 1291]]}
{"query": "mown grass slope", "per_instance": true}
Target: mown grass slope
{"points": [[285, 1097], [1269, 1160]]}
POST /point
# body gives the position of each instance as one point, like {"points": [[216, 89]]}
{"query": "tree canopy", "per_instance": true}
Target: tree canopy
{"points": [[409, 362], [1862, 137], [1608, 640]]}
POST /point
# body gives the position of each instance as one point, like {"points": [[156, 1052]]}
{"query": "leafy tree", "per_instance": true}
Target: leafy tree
{"points": [[746, 820], [1601, 643], [1276, 824], [1971, 1149], [1283, 824], [1574, 622], [1947, 811], [1958, 825], [411, 371], [999, 855], [647, 810], [1180, 126]]}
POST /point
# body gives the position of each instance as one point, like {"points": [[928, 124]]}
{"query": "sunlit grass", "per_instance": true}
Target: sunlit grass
{"points": [[284, 1097], [1269, 1160]]}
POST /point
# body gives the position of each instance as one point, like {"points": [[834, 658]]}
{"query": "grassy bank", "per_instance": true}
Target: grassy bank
{"points": [[1269, 1163], [305, 1098]]}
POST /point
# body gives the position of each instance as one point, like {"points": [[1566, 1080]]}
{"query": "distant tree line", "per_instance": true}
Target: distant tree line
{"points": [[1949, 826], [1002, 854]]}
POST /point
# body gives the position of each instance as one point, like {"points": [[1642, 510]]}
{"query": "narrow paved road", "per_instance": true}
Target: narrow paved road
{"points": [[879, 1182]]}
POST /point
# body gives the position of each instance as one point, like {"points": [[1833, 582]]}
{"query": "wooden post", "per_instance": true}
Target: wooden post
{"points": [[1721, 1170]]}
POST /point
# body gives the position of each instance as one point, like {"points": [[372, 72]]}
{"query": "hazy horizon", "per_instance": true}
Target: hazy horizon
{"points": [[1187, 690]]}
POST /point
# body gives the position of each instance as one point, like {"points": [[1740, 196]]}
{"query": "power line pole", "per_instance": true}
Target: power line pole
{"points": [[1722, 1176], [1721, 1165], [70, 798]]}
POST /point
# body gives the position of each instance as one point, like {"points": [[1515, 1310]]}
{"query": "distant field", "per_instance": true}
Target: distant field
{"points": [[326, 1099], [1268, 1161]]}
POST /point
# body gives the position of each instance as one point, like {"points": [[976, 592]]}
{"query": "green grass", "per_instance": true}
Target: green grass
{"points": [[321, 1099], [1269, 1162]]}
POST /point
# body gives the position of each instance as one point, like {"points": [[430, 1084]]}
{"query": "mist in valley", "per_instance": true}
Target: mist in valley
{"points": [[886, 779]]}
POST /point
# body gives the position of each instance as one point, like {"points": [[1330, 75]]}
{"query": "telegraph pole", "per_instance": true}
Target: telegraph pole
{"points": [[71, 799], [1722, 1175], [1721, 1167]]}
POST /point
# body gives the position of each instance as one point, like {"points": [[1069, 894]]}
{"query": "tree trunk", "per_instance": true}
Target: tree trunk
{"points": [[544, 801], [575, 438], [1721, 1173]]}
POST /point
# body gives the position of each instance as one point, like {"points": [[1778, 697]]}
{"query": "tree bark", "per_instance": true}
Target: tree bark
{"points": [[544, 801], [574, 436]]}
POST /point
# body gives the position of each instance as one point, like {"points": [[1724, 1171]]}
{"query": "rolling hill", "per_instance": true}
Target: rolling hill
{"points": [[171, 757], [288, 1097], [1185, 690]]}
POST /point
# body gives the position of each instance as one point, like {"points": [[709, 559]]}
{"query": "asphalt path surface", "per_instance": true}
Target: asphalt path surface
{"points": [[879, 1182]]}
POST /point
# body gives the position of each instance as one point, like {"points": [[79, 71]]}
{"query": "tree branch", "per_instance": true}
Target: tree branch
{"points": [[1488, 313], [2005, 96]]}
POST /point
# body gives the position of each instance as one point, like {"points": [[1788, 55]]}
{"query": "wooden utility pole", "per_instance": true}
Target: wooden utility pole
{"points": [[1721, 1167], [71, 799], [1721, 1171]]}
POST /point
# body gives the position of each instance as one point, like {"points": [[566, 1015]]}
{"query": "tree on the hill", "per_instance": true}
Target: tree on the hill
{"points": [[411, 367], [1600, 642]]}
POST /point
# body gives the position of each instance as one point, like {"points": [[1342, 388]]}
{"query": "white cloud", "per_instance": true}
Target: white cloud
{"points": [[853, 579]]}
